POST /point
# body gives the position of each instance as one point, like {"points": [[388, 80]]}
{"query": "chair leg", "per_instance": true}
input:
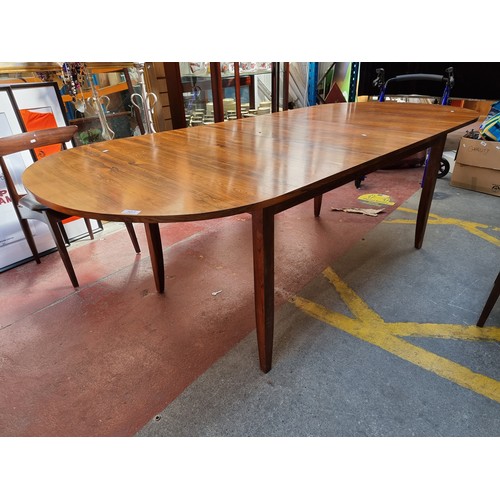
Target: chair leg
{"points": [[89, 228], [490, 302], [63, 251], [63, 232], [88, 224], [29, 238], [133, 236]]}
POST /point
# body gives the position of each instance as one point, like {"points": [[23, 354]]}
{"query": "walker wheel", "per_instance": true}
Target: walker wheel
{"points": [[444, 168]]}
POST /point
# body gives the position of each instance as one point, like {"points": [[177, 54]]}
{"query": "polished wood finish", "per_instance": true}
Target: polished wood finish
{"points": [[263, 264], [428, 189], [259, 165], [39, 138]]}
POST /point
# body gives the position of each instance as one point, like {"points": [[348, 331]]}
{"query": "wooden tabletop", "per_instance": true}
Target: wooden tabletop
{"points": [[232, 167]]}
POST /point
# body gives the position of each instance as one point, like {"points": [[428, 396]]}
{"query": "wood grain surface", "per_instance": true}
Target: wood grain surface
{"points": [[232, 167]]}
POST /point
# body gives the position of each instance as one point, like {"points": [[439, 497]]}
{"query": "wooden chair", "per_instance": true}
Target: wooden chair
{"points": [[27, 207]]}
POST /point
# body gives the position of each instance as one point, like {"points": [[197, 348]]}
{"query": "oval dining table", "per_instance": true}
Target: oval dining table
{"points": [[260, 165]]}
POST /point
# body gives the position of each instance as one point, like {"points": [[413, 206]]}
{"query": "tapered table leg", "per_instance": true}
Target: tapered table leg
{"points": [[428, 189], [263, 263], [156, 255], [317, 205]]}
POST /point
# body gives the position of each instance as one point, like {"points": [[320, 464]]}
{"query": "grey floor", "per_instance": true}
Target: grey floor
{"points": [[326, 382]]}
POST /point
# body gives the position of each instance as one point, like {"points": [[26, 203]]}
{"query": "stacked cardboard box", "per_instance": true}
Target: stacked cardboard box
{"points": [[477, 166]]}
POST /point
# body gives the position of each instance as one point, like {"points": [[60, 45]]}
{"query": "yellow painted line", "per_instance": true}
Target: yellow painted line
{"points": [[370, 327], [475, 228], [365, 315]]}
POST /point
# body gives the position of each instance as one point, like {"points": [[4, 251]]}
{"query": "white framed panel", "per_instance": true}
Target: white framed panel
{"points": [[13, 246]]}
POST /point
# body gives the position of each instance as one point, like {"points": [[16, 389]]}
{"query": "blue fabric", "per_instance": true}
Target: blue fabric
{"points": [[490, 128]]}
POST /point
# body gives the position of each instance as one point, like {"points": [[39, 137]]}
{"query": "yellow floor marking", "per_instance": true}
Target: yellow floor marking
{"points": [[367, 325], [472, 227], [376, 199]]}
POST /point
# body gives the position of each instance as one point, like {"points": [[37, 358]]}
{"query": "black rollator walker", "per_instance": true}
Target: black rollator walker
{"points": [[448, 79]]}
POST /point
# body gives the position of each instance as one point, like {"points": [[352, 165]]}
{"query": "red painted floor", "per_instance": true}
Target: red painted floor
{"points": [[103, 360]]}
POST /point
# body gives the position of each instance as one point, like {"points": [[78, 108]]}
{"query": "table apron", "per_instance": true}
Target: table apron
{"points": [[304, 194]]}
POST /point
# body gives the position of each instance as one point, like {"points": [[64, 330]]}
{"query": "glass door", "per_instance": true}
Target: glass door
{"points": [[197, 95]]}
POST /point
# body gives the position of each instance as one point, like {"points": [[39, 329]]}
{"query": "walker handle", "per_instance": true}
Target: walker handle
{"points": [[418, 76], [448, 79]]}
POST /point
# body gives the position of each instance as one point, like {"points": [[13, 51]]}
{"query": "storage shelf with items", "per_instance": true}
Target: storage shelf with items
{"points": [[96, 96], [98, 100]]}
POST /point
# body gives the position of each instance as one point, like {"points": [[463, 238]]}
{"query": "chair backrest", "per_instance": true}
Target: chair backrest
{"points": [[28, 141]]}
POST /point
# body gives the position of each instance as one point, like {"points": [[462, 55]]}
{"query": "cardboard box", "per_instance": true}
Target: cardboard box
{"points": [[477, 166]]}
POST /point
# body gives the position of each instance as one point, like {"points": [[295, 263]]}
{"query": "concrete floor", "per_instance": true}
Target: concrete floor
{"points": [[397, 353]]}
